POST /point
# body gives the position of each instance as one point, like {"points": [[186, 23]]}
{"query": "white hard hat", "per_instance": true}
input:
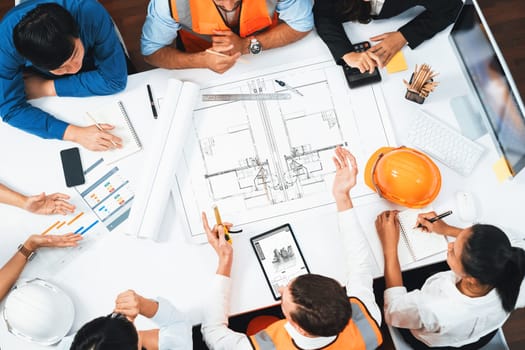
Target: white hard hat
{"points": [[39, 311]]}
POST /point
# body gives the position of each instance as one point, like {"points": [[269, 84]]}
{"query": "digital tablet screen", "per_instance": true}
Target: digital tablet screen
{"points": [[280, 257]]}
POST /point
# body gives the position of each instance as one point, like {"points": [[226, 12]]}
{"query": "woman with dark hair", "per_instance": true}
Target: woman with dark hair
{"points": [[117, 330], [329, 16], [462, 308]]}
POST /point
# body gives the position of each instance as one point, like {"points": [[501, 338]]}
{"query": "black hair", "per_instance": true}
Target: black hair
{"points": [[353, 10], [45, 36], [489, 257], [322, 306], [112, 332]]}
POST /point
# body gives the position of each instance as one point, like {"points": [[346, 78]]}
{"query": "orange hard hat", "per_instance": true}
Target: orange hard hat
{"points": [[404, 176]]}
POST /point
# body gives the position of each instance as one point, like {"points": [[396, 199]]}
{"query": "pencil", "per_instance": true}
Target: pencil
{"points": [[223, 55], [98, 126], [219, 222]]}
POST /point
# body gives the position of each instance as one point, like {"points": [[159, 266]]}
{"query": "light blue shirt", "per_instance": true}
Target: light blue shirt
{"points": [[160, 29], [174, 329]]}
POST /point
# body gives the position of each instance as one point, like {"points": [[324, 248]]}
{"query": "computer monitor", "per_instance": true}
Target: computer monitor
{"points": [[501, 105]]}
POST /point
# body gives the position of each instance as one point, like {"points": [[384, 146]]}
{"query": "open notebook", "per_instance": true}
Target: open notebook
{"points": [[116, 115], [415, 244]]}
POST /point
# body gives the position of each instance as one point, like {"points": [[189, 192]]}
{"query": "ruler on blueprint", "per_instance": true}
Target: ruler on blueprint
{"points": [[246, 97]]}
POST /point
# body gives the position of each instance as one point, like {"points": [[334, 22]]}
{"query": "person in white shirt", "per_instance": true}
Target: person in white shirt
{"points": [[116, 331], [461, 307], [318, 312]]}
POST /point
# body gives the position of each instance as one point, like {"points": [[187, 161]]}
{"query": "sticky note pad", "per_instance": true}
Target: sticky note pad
{"points": [[397, 63], [501, 169]]}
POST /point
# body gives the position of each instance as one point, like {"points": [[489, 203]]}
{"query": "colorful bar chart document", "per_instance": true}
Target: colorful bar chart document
{"points": [[107, 193]]}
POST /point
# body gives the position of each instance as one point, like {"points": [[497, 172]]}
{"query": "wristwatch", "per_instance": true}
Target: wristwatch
{"points": [[255, 46], [29, 254]]}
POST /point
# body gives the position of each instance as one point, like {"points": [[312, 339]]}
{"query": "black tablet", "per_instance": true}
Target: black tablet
{"points": [[280, 257]]}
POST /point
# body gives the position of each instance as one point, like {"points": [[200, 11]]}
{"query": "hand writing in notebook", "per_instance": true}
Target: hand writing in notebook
{"points": [[93, 138], [439, 226]]}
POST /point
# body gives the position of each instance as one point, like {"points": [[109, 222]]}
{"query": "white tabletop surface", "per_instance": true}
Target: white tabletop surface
{"points": [[180, 271]]}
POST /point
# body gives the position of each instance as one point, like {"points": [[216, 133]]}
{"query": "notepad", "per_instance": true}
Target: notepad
{"points": [[116, 115], [415, 244], [397, 63]]}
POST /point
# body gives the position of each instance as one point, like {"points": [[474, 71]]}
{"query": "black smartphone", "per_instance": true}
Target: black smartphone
{"points": [[72, 166], [354, 77]]}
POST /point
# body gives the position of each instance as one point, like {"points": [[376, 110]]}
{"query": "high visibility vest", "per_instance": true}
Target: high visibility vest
{"points": [[361, 333], [199, 18]]}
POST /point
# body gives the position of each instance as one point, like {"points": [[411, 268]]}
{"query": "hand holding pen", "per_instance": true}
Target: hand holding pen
{"points": [[431, 222]]}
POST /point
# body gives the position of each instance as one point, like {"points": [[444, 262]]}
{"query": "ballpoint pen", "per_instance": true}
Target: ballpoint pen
{"points": [[98, 126], [150, 95], [219, 222], [288, 87], [436, 218]]}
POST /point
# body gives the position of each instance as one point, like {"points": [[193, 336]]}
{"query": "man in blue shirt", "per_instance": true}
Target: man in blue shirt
{"points": [[59, 48], [215, 33]]}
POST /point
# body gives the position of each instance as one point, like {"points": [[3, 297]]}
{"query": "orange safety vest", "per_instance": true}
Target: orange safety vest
{"points": [[361, 333], [199, 18]]}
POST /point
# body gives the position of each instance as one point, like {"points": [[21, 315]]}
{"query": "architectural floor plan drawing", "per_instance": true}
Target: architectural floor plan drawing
{"points": [[264, 158]]}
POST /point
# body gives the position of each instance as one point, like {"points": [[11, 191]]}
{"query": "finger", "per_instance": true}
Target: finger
{"points": [[105, 126], [64, 205], [111, 138], [378, 37], [222, 236], [227, 224], [222, 32], [336, 163], [103, 145], [205, 222], [59, 195]]}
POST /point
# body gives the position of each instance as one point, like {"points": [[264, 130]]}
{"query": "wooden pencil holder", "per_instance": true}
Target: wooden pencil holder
{"points": [[421, 84], [414, 96]]}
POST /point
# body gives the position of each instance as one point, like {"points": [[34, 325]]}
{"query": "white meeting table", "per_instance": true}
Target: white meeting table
{"points": [[181, 271]]}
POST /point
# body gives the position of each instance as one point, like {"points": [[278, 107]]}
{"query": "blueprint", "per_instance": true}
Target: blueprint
{"points": [[265, 158]]}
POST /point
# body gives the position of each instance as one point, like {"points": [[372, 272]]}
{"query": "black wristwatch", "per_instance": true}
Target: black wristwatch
{"points": [[29, 254], [255, 46]]}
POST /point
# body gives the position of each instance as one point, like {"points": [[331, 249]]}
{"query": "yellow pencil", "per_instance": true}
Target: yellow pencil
{"points": [[223, 55], [219, 222]]}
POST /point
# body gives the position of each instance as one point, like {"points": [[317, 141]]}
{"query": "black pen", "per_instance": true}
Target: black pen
{"points": [[436, 218], [153, 109]]}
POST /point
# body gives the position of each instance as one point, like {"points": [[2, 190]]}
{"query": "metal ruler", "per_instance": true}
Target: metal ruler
{"points": [[246, 97]]}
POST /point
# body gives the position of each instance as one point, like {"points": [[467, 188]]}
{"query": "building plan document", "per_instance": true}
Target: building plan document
{"points": [[264, 158]]}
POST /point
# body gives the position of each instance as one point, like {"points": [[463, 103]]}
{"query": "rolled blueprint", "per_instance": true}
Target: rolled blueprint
{"points": [[168, 138]]}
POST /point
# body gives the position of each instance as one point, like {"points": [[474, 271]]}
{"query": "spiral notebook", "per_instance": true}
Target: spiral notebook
{"points": [[414, 244], [116, 115]]}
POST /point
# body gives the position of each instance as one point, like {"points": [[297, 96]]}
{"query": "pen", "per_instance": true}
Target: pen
{"points": [[223, 55], [98, 126], [437, 217], [288, 87], [219, 222], [153, 109]]}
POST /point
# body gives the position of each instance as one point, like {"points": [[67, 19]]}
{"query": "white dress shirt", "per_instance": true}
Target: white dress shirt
{"points": [[174, 329], [215, 329], [440, 315]]}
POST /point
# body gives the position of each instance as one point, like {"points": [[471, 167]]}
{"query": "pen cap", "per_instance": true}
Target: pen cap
{"points": [[403, 176]]}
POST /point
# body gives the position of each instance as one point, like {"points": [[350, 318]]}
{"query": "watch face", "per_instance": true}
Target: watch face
{"points": [[255, 46]]}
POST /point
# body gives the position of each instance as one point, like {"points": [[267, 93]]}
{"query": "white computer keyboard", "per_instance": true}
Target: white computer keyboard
{"points": [[443, 143]]}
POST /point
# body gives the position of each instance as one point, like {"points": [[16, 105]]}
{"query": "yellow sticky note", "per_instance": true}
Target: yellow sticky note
{"points": [[397, 63], [501, 169]]}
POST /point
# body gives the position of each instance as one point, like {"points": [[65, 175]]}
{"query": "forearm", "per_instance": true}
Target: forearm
{"points": [[343, 202], [334, 36], [171, 58], [393, 277], [10, 272], [225, 266], [280, 35], [10, 197], [148, 307]]}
